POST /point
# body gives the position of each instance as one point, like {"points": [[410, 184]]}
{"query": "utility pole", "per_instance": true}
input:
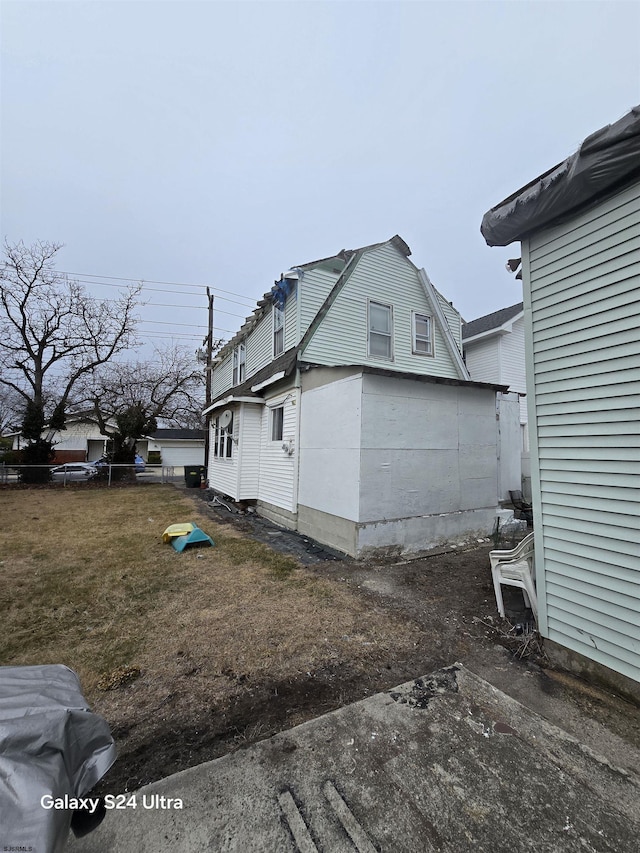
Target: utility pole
{"points": [[208, 343]]}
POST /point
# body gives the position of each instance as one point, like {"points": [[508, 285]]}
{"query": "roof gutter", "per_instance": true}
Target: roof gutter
{"points": [[231, 399]]}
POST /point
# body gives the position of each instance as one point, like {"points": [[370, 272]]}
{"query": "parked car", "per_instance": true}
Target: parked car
{"points": [[74, 471], [104, 462]]}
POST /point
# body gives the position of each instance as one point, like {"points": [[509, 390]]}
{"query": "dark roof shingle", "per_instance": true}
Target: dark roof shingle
{"points": [[490, 321]]}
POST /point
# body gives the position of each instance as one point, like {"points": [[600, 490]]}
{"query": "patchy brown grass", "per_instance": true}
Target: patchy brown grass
{"points": [[161, 639]]}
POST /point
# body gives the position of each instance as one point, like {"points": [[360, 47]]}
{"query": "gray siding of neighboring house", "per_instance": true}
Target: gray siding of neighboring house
{"points": [[583, 363], [483, 360], [500, 358], [512, 364]]}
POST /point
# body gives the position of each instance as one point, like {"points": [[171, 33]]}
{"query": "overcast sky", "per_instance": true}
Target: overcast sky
{"points": [[221, 143]]}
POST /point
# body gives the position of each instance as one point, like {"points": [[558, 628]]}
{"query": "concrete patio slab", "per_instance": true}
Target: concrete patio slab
{"points": [[447, 762]]}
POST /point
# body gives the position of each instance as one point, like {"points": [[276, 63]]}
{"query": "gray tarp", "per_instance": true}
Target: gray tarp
{"points": [[606, 160], [50, 744]]}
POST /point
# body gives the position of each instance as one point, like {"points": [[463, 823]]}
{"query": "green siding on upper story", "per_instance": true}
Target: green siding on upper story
{"points": [[315, 285], [382, 275]]}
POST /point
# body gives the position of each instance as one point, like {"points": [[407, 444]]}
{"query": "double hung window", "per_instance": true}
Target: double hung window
{"points": [[278, 330], [421, 334], [222, 439], [380, 337], [239, 363], [277, 423]]}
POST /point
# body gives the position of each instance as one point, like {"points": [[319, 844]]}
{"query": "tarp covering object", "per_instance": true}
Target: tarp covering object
{"points": [[607, 159], [51, 745]]}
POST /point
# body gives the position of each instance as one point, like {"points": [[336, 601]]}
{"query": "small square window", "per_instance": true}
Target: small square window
{"points": [[421, 334], [277, 423]]}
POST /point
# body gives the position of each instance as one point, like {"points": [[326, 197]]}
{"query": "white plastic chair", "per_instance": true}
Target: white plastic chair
{"points": [[515, 568]]}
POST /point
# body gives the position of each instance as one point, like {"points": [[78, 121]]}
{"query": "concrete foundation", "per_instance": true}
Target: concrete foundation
{"points": [[338, 533], [422, 533], [591, 671], [280, 516]]}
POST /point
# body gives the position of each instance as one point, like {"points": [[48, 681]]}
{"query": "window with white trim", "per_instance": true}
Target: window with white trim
{"points": [[222, 439], [277, 423], [239, 363], [278, 330], [380, 331], [421, 334]]}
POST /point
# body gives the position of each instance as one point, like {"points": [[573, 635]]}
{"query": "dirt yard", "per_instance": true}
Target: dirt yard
{"points": [[190, 656]]}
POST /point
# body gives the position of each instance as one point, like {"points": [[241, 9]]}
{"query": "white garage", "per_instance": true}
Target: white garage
{"points": [[177, 447]]}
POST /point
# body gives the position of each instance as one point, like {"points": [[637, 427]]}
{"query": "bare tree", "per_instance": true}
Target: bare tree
{"points": [[135, 395], [10, 410], [52, 333]]}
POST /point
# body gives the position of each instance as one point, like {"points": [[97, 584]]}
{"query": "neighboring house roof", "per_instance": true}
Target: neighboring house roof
{"points": [[491, 323], [606, 161], [177, 434]]}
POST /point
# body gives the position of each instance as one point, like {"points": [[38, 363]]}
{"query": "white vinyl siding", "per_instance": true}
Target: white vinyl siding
{"points": [[512, 364], [500, 358], [483, 360], [223, 472], [260, 345], [222, 376], [382, 275], [249, 450], [277, 468], [584, 390]]}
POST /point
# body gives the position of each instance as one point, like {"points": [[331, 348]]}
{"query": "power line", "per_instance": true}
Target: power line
{"points": [[155, 281], [173, 305]]}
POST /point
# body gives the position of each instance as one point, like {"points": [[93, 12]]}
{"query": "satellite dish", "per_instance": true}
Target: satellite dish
{"points": [[225, 418]]}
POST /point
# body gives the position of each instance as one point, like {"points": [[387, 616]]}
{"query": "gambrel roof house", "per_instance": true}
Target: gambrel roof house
{"points": [[343, 408], [579, 226]]}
